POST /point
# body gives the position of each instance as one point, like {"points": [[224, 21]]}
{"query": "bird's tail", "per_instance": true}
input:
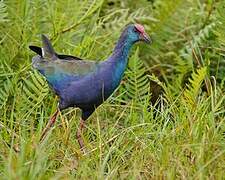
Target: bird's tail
{"points": [[46, 51]]}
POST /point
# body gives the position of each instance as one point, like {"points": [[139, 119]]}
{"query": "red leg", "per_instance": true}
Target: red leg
{"points": [[79, 135], [51, 122]]}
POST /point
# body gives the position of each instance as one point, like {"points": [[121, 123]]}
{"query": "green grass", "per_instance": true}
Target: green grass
{"points": [[165, 121]]}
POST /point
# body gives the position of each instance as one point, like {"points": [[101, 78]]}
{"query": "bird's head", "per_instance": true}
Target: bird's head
{"points": [[136, 32]]}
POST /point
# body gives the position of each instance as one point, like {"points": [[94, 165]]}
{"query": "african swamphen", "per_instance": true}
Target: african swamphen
{"points": [[81, 83]]}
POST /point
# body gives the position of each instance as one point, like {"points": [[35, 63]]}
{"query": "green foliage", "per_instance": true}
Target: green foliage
{"points": [[192, 91], [34, 91], [3, 12], [180, 136], [220, 30], [136, 84], [4, 92]]}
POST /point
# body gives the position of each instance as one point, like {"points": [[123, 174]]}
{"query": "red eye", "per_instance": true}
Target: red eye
{"points": [[139, 28]]}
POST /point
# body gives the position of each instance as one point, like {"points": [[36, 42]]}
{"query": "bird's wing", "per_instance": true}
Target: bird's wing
{"points": [[65, 67]]}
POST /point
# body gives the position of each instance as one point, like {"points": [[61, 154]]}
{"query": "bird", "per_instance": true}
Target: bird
{"points": [[83, 83]]}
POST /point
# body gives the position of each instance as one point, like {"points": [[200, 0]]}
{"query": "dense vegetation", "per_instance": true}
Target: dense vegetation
{"points": [[166, 120]]}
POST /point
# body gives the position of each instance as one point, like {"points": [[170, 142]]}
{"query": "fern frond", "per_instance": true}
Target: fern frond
{"points": [[34, 90], [220, 30], [3, 12], [137, 85], [117, 18], [198, 39], [191, 93], [88, 8]]}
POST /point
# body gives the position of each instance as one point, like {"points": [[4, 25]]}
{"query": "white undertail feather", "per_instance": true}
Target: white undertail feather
{"points": [[42, 52]]}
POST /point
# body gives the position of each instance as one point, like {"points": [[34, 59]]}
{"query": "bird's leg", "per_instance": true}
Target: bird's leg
{"points": [[79, 135], [51, 122]]}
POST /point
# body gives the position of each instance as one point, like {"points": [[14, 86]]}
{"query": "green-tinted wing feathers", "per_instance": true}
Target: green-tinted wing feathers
{"points": [[66, 67]]}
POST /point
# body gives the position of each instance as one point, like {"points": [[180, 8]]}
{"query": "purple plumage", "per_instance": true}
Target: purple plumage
{"points": [[85, 84]]}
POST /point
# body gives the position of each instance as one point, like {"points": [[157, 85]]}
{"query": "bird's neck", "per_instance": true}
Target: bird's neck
{"points": [[121, 51], [118, 60]]}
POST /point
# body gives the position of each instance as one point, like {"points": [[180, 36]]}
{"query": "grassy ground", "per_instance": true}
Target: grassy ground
{"points": [[179, 136]]}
